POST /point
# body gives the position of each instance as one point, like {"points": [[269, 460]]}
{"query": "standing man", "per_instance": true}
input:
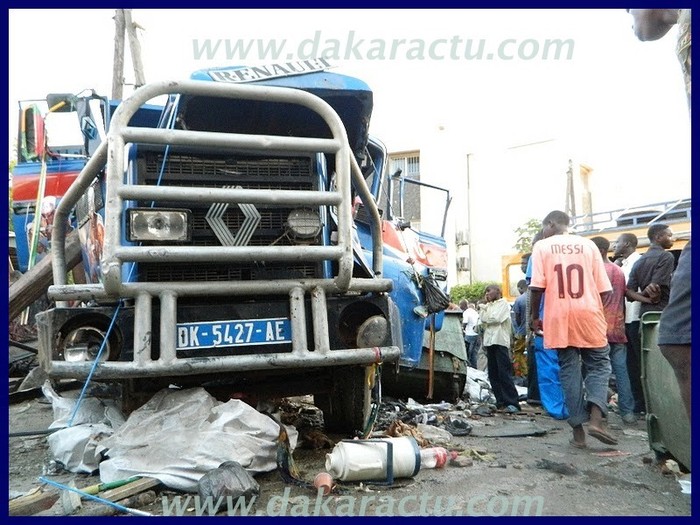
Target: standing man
{"points": [[470, 318], [614, 308], [520, 331], [546, 360], [569, 271], [675, 327], [653, 271], [626, 255], [495, 319], [675, 324]]}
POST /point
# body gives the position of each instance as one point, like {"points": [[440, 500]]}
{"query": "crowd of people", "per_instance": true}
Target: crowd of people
{"points": [[578, 324], [573, 334]]}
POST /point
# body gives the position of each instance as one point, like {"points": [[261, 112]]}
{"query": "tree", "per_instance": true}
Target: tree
{"points": [[525, 234], [471, 292]]}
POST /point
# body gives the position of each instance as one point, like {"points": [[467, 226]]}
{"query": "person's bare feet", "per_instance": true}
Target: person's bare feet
{"points": [[601, 435], [579, 439]]}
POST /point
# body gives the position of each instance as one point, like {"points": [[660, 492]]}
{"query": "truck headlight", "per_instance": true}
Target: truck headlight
{"points": [[372, 332], [158, 224], [303, 223], [83, 344]]}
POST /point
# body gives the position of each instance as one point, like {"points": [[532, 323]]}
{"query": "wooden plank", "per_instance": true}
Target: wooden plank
{"points": [[132, 488], [32, 503], [37, 279]]}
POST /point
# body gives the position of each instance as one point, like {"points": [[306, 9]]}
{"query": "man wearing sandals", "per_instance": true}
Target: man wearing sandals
{"points": [[569, 271]]}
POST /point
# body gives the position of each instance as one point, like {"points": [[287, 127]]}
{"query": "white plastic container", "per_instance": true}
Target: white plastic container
{"points": [[374, 459]]}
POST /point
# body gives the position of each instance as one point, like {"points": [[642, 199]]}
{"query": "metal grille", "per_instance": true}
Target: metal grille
{"points": [[185, 170]]}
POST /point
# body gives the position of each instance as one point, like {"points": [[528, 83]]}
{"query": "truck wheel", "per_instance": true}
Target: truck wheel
{"points": [[346, 408]]}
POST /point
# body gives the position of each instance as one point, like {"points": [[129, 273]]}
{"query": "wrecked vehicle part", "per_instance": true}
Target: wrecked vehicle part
{"points": [[225, 247]]}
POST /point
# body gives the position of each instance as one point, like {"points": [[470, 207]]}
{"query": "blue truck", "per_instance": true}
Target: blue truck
{"points": [[221, 247]]}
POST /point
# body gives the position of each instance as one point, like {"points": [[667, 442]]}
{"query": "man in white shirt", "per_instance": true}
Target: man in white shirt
{"points": [[625, 256], [470, 318], [495, 318]]}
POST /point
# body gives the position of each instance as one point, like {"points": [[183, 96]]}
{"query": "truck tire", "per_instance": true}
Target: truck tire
{"points": [[346, 408]]}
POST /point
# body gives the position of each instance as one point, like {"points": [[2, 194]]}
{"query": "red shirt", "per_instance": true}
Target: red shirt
{"points": [[571, 271], [614, 304]]}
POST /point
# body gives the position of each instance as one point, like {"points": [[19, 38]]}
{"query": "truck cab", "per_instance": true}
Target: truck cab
{"points": [[222, 250]]}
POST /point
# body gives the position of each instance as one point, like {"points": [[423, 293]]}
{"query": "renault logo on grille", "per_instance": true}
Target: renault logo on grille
{"points": [[250, 223]]}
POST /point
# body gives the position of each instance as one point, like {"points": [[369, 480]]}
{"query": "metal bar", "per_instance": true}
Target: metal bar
{"points": [[230, 195], [95, 292], [142, 328], [319, 315], [114, 175], [237, 363], [251, 143], [168, 322], [166, 254], [297, 315]]}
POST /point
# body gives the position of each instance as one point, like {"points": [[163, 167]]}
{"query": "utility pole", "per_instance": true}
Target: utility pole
{"points": [[570, 198], [123, 25], [118, 66], [135, 48], [586, 199]]}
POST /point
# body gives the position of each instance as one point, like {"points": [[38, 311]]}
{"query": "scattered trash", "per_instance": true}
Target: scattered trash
{"points": [[481, 455], [285, 461], [76, 442], [368, 459], [567, 469], [458, 426], [611, 453], [684, 482], [91, 410], [78, 448], [229, 479], [117, 506], [314, 439], [484, 411], [434, 435], [401, 429], [457, 460], [671, 467], [323, 481], [510, 429], [478, 387], [179, 435], [433, 457], [70, 500], [638, 433]]}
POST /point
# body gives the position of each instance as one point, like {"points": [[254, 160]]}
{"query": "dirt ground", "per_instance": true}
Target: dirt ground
{"points": [[527, 475]]}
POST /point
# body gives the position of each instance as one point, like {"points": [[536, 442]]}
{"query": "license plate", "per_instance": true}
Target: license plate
{"points": [[241, 332]]}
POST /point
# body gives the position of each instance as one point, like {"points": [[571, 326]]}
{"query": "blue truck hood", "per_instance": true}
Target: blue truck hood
{"points": [[350, 97]]}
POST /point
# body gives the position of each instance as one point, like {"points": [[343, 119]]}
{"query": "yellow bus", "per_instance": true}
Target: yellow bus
{"points": [[610, 224]]}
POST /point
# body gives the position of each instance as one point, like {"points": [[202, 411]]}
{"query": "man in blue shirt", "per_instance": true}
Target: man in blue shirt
{"points": [[520, 331]]}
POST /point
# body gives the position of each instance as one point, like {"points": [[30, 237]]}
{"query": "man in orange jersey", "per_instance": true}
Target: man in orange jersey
{"points": [[569, 271]]}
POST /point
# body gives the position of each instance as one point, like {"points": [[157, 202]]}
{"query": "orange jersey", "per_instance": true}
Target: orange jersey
{"points": [[572, 273]]}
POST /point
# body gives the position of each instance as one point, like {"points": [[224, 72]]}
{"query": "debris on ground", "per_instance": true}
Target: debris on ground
{"points": [[179, 435], [566, 469], [230, 479]]}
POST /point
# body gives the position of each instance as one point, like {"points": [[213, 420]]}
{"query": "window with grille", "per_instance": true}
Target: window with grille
{"points": [[409, 164]]}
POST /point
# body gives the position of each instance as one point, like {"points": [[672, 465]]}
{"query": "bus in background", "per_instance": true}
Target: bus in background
{"points": [[610, 224]]}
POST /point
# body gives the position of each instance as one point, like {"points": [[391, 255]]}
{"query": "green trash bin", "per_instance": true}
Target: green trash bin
{"points": [[667, 422]]}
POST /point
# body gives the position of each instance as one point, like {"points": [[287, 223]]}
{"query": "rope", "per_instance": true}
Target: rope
{"points": [[170, 124]]}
